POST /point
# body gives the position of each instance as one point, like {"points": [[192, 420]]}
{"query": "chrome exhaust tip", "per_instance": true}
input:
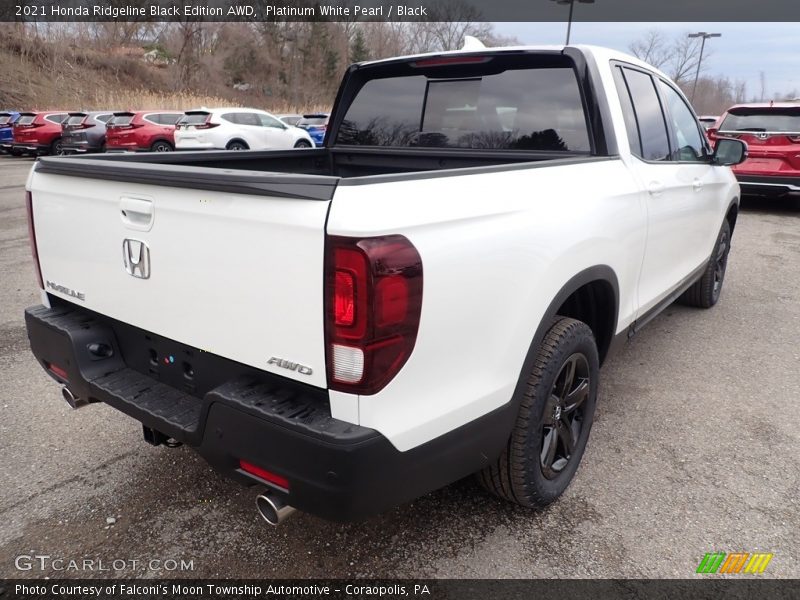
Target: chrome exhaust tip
{"points": [[273, 509], [72, 399]]}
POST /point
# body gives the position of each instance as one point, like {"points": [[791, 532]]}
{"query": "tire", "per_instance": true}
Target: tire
{"points": [[550, 434], [302, 144], [705, 292], [161, 146], [15, 153], [57, 147], [237, 145]]}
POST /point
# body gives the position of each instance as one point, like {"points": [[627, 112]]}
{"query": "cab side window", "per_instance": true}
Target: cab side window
{"points": [[689, 145], [649, 115]]}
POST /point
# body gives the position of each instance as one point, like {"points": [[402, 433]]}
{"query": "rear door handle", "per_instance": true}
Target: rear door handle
{"points": [[655, 188]]}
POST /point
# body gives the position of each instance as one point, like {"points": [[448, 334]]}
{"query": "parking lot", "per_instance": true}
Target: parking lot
{"points": [[694, 449]]}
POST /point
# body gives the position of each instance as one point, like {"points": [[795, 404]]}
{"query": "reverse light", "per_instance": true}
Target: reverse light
{"points": [[373, 301], [32, 239], [264, 474]]}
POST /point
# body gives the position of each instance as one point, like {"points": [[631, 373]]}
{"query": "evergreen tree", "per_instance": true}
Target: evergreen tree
{"points": [[358, 48]]}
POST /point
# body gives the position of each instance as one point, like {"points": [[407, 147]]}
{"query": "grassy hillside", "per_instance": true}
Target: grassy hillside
{"points": [[41, 75]]}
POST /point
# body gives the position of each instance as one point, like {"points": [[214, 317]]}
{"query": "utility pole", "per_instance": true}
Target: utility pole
{"points": [[571, 9], [705, 36]]}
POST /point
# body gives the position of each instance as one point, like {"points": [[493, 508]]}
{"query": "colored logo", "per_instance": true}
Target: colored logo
{"points": [[736, 562]]}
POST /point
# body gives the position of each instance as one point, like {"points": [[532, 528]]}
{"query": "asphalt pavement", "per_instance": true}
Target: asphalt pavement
{"points": [[694, 449]]}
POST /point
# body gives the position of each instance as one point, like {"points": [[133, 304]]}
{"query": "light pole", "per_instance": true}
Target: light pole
{"points": [[571, 8], [705, 36]]}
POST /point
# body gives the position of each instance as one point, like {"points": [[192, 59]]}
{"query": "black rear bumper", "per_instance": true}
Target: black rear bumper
{"points": [[230, 412], [760, 185]]}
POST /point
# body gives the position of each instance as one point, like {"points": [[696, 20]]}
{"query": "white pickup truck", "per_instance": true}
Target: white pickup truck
{"points": [[429, 295]]}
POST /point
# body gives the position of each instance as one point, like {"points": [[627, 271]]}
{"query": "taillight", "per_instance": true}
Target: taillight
{"points": [[206, 125], [712, 134], [373, 301], [32, 238], [795, 139], [125, 127]]}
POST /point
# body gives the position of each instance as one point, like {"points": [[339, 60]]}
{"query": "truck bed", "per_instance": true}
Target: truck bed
{"points": [[312, 174]]}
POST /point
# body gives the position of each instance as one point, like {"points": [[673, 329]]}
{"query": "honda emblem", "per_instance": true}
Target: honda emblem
{"points": [[136, 256]]}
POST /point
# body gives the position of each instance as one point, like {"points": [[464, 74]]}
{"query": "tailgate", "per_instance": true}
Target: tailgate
{"points": [[238, 274]]}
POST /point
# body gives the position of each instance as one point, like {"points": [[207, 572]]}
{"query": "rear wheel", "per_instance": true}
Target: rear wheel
{"points": [[554, 420], [302, 144], [15, 152], [161, 146], [237, 145], [705, 292], [57, 147]]}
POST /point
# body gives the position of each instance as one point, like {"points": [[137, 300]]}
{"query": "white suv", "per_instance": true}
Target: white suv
{"points": [[237, 129]]}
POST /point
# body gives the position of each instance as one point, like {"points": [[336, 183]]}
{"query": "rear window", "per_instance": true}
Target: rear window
{"points": [[194, 119], [313, 121], [764, 119], [105, 118], [75, 119], [26, 119], [57, 119], [519, 109], [5, 119], [120, 120]]}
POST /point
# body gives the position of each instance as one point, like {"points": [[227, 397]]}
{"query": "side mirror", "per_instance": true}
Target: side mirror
{"points": [[729, 152]]}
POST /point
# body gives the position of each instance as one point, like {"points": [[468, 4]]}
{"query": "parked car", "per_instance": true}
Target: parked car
{"points": [[85, 132], [142, 131], [37, 133], [430, 295], [237, 129], [707, 121], [290, 119], [7, 119], [316, 125], [772, 133]]}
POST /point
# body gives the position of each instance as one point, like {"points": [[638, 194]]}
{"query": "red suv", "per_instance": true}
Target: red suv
{"points": [[38, 132], [772, 133], [142, 131]]}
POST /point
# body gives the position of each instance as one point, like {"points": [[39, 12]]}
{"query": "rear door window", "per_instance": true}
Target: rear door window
{"points": [[517, 109], [120, 120], [167, 118]]}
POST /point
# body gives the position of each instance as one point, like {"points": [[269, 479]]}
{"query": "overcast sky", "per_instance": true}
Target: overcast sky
{"points": [[743, 51]]}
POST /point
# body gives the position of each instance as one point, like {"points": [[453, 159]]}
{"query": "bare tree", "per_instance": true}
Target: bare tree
{"points": [[677, 57], [652, 48]]}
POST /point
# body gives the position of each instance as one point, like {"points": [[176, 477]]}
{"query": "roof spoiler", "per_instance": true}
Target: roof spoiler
{"points": [[472, 43]]}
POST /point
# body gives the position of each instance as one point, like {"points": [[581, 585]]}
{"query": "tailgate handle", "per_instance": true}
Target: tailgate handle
{"points": [[136, 213]]}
